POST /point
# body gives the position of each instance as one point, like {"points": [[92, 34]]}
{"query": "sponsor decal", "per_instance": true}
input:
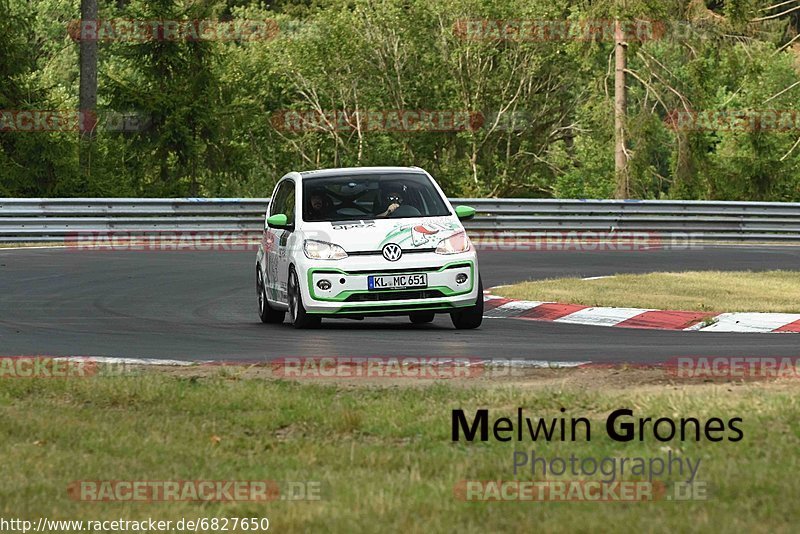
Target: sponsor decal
{"points": [[352, 224], [420, 234]]}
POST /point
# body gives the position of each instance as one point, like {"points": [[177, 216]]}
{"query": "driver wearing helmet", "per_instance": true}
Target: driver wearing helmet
{"points": [[392, 199], [319, 205]]}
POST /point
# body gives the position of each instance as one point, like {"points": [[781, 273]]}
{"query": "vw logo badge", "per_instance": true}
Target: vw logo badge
{"points": [[392, 252]]}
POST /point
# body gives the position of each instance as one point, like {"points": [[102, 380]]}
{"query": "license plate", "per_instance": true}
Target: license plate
{"points": [[397, 281]]}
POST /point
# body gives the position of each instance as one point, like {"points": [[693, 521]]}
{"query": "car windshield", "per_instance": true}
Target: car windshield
{"points": [[369, 196]]}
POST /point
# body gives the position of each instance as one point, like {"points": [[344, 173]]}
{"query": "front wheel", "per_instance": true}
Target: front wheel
{"points": [[470, 317], [265, 311], [300, 318]]}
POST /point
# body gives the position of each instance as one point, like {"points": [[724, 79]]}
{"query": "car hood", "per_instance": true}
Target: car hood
{"points": [[371, 235]]}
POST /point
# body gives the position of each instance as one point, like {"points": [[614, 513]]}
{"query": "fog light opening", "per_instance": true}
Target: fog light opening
{"points": [[324, 285], [461, 278]]}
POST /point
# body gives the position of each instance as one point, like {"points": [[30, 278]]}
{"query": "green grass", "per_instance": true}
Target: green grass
{"points": [[771, 291], [383, 454]]}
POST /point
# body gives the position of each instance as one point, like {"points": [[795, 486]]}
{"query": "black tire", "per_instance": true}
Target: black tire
{"points": [[297, 312], [421, 317], [265, 311], [471, 317]]}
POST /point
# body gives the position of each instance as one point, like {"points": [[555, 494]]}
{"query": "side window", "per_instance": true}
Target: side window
{"points": [[288, 202], [278, 201]]}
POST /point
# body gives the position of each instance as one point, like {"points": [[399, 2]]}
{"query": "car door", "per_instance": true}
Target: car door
{"points": [[272, 238], [285, 242]]}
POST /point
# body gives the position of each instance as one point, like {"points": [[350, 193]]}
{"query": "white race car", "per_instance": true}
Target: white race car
{"points": [[366, 241]]}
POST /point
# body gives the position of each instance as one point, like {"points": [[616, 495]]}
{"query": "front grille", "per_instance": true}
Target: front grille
{"points": [[364, 253], [380, 253], [378, 296]]}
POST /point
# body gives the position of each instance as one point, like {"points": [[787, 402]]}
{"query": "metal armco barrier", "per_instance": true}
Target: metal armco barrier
{"points": [[55, 219]]}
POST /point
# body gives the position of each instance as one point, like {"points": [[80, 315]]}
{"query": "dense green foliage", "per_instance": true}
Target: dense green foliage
{"points": [[210, 107]]}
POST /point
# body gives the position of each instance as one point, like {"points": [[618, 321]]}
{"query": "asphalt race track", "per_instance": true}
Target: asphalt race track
{"points": [[202, 305]]}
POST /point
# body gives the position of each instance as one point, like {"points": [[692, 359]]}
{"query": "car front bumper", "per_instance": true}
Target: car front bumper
{"points": [[349, 293]]}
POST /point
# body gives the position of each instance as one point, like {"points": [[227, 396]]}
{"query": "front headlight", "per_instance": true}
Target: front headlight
{"points": [[322, 250], [458, 242]]}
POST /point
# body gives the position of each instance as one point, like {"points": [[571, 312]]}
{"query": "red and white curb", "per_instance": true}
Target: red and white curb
{"points": [[531, 310]]}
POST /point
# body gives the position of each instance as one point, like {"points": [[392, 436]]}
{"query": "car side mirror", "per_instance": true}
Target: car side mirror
{"points": [[279, 220], [465, 212]]}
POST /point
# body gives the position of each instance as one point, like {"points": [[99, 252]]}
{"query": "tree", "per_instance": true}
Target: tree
{"points": [[88, 87]]}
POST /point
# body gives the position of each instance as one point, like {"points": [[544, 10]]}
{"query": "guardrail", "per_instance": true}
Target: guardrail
{"points": [[55, 219]]}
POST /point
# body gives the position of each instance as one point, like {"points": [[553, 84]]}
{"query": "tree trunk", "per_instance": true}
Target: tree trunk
{"points": [[620, 110], [88, 87]]}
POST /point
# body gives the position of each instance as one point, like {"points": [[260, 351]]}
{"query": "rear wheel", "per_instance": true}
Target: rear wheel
{"points": [[470, 317], [300, 318], [267, 313], [421, 317]]}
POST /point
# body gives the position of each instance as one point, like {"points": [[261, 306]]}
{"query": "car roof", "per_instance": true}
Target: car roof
{"points": [[350, 171]]}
